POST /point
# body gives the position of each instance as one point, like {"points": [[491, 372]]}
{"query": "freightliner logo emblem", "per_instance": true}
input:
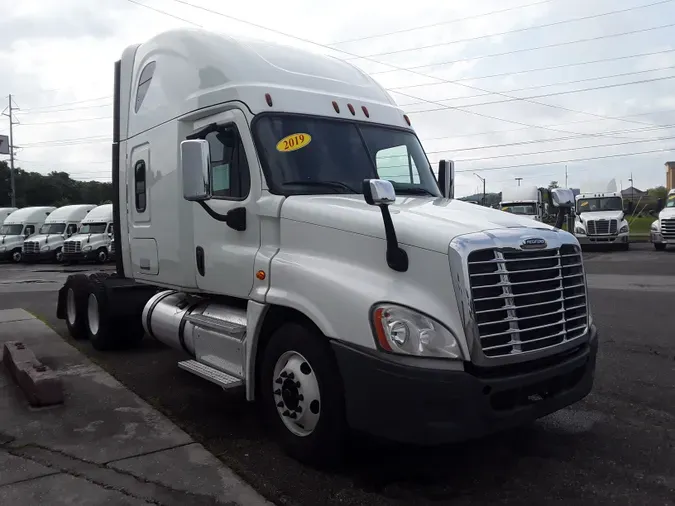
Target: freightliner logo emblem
{"points": [[533, 243]]}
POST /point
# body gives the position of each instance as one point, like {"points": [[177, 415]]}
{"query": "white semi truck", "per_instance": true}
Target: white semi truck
{"points": [[528, 200], [19, 226], [4, 212], [47, 244], [94, 239], [662, 231], [600, 219], [262, 230]]}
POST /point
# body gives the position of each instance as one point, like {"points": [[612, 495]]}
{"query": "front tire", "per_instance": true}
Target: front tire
{"points": [[17, 256], [58, 256], [659, 246], [102, 255], [302, 395]]}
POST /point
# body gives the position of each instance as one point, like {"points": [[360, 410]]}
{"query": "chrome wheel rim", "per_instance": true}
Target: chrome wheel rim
{"points": [[92, 314]]}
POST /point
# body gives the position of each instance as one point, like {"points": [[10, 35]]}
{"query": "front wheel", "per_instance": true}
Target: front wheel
{"points": [[302, 395], [58, 255], [659, 246], [102, 255], [17, 256]]}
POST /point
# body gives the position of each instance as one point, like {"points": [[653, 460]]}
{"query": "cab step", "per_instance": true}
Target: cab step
{"points": [[220, 378]]}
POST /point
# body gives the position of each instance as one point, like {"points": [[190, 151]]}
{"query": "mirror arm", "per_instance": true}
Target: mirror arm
{"points": [[201, 134], [397, 258], [235, 218]]}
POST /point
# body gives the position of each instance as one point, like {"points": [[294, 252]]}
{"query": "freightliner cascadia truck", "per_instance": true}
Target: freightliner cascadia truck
{"points": [[277, 220]]}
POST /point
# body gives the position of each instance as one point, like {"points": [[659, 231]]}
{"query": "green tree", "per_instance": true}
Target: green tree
{"points": [[54, 189], [553, 184]]}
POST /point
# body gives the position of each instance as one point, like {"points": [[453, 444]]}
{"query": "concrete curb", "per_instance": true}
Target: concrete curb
{"points": [[37, 381]]}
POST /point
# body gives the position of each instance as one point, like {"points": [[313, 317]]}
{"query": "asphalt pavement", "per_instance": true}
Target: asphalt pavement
{"points": [[617, 446]]}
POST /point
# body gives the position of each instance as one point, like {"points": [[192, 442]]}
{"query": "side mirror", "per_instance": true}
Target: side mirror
{"points": [[195, 164], [446, 178], [562, 197], [379, 192], [659, 205]]}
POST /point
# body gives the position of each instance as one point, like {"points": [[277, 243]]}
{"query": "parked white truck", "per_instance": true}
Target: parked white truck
{"points": [[529, 201], [47, 244], [600, 218], [4, 212], [94, 238], [17, 227], [254, 233], [662, 231]]}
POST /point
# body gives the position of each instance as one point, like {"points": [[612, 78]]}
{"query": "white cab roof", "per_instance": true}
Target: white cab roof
{"points": [[72, 213], [196, 69], [36, 214], [99, 214]]}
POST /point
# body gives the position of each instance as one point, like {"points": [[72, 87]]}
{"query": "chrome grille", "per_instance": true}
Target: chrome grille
{"points": [[525, 301], [31, 247], [71, 247], [668, 228], [601, 227]]}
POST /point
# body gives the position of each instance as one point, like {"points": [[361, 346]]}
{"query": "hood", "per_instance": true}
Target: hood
{"points": [[668, 212], [426, 222], [43, 239], [10, 239], [601, 215]]}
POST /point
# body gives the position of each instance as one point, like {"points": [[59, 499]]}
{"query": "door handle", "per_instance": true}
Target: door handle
{"points": [[199, 254]]}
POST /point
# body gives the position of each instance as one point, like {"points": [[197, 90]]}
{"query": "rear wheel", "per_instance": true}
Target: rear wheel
{"points": [[302, 395], [76, 305], [659, 246]]}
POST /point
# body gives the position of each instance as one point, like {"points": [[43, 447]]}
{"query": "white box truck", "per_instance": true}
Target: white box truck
{"points": [[600, 218], [17, 227], [262, 229], [94, 238], [528, 200], [662, 231], [47, 244]]}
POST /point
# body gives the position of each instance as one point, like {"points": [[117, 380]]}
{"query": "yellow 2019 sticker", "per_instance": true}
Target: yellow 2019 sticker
{"points": [[584, 203], [671, 197], [293, 142]]}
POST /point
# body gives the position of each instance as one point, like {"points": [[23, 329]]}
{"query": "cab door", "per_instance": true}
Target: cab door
{"points": [[224, 254]]}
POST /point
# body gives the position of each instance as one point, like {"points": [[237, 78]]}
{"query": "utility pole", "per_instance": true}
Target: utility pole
{"points": [[482, 179], [565, 175], [10, 114], [519, 179]]}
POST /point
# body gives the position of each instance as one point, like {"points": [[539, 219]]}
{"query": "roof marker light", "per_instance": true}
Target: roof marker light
{"points": [[268, 98], [351, 109], [365, 111], [336, 107], [407, 119]]}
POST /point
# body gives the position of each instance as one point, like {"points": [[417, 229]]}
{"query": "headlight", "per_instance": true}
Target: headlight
{"points": [[624, 229], [579, 230], [86, 248], [655, 226], [44, 248], [407, 332]]}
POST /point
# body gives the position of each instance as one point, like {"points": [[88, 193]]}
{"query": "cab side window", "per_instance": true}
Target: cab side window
{"points": [[231, 177], [109, 229], [72, 228], [29, 230]]}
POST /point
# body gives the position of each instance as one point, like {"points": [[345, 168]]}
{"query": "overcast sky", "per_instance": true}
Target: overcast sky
{"points": [[469, 74]]}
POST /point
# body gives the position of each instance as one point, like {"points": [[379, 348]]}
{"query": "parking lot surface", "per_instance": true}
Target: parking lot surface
{"points": [[617, 446]]}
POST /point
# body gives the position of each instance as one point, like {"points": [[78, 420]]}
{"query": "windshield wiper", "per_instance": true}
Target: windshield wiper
{"points": [[413, 191], [329, 184]]}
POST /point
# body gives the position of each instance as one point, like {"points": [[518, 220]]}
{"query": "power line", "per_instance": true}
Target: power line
{"points": [[70, 109], [555, 94], [515, 51], [434, 25], [516, 30], [538, 69], [558, 83], [65, 121], [386, 64], [67, 103]]}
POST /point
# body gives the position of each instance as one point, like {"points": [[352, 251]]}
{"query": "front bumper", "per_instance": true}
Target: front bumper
{"points": [[603, 239], [5, 255], [79, 256], [658, 238], [36, 257], [393, 399]]}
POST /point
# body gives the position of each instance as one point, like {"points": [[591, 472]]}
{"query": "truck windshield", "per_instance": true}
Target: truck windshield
{"points": [[93, 228], [670, 201], [517, 208], [11, 229], [306, 155], [599, 204], [52, 228]]}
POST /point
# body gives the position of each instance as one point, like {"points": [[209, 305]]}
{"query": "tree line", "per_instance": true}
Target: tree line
{"points": [[53, 189]]}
